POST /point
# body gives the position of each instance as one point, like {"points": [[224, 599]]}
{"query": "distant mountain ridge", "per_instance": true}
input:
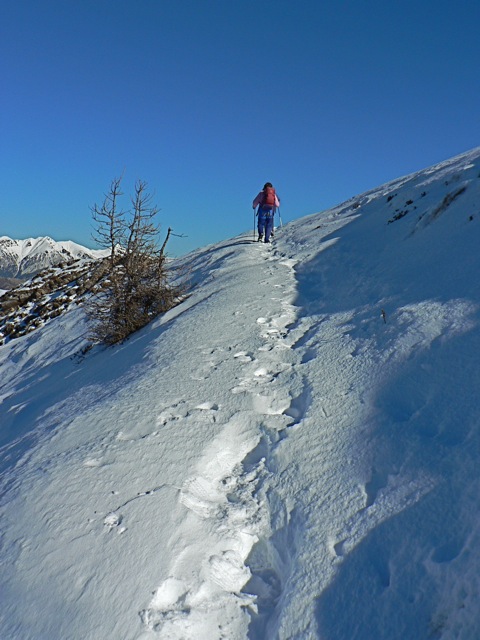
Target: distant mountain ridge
{"points": [[22, 259]]}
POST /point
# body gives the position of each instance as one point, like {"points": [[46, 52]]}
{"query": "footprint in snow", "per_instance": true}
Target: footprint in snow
{"points": [[207, 406], [175, 412], [114, 520], [94, 462], [228, 570], [243, 356]]}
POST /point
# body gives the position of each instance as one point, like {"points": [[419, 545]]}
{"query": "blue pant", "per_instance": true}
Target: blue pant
{"points": [[265, 223]]}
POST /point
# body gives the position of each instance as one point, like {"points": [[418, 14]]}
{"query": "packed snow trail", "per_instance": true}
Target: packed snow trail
{"points": [[291, 453], [226, 495]]}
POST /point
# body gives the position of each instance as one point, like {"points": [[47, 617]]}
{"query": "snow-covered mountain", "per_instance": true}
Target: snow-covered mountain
{"points": [[292, 452], [24, 258]]}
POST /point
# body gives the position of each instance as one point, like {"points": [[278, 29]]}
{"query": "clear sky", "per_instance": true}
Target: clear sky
{"points": [[208, 99]]}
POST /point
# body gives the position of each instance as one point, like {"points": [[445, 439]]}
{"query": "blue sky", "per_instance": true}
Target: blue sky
{"points": [[208, 99]]}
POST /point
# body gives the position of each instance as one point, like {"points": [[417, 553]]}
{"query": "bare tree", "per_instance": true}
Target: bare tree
{"points": [[109, 221], [138, 289]]}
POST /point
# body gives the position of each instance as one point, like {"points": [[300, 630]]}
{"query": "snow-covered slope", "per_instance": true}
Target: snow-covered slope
{"points": [[24, 258], [292, 452]]}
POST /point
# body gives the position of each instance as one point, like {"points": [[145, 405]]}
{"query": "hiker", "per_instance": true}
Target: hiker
{"points": [[267, 202]]}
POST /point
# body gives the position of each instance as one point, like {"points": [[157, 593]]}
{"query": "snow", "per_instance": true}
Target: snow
{"points": [[292, 452]]}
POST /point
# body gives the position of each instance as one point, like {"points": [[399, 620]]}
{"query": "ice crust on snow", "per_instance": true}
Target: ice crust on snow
{"points": [[292, 452]]}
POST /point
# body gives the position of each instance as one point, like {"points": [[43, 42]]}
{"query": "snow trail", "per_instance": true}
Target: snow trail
{"points": [[228, 496]]}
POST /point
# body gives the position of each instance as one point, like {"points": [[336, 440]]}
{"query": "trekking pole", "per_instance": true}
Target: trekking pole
{"points": [[254, 216], [280, 217]]}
